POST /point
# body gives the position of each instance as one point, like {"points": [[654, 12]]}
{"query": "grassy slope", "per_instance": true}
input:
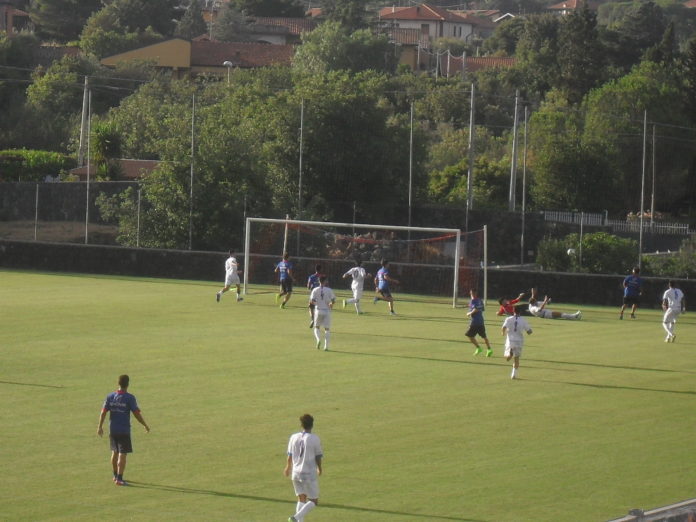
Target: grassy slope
{"points": [[414, 427]]}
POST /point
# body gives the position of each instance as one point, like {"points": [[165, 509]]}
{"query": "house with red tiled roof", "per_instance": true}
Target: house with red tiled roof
{"points": [[279, 30], [12, 20], [435, 22], [483, 27], [131, 169], [568, 6], [690, 4], [191, 58]]}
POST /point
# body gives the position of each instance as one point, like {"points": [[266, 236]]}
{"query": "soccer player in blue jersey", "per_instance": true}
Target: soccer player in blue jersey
{"points": [[312, 283], [120, 404], [633, 288], [382, 283], [284, 271], [476, 324]]}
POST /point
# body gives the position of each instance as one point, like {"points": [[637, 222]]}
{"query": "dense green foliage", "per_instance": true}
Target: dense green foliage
{"points": [[599, 253], [32, 165]]}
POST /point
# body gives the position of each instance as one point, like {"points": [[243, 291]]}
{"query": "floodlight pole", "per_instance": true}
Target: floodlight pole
{"points": [[89, 161], [513, 166], [642, 186], [193, 120]]}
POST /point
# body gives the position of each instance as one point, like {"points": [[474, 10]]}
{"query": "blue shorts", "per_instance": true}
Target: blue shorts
{"points": [[286, 286]]}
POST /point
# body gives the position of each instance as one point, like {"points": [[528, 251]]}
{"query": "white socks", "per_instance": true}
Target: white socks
{"points": [[306, 508], [317, 336]]}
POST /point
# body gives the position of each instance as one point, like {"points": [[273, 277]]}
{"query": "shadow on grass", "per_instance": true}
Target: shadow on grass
{"points": [[615, 387], [290, 503], [612, 366], [31, 384], [483, 361]]}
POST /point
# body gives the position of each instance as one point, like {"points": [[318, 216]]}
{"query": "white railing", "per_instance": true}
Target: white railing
{"points": [[597, 219]]}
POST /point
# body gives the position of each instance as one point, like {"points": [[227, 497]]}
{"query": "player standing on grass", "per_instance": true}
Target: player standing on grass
{"points": [[358, 274], [284, 271], [476, 324], [633, 288], [304, 467], [312, 283], [120, 404], [382, 283], [514, 328], [231, 278], [323, 299], [673, 304]]}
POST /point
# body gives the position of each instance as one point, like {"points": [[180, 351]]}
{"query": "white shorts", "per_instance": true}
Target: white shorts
{"points": [[357, 290], [671, 315], [544, 314], [306, 487], [322, 318], [513, 349], [232, 279]]}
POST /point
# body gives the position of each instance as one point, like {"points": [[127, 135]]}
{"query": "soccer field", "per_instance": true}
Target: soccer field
{"points": [[414, 427]]}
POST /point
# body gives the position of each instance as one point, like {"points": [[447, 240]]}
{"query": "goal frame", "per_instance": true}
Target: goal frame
{"points": [[455, 231]]}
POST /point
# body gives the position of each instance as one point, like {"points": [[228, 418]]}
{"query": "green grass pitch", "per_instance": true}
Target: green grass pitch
{"points": [[414, 427]]}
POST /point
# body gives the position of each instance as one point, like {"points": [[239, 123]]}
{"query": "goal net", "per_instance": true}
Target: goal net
{"points": [[434, 262]]}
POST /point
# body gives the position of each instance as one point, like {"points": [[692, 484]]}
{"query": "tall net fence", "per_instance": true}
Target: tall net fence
{"points": [[423, 261], [60, 212]]}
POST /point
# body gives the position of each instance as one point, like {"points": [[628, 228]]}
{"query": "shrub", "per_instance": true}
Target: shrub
{"points": [[33, 165], [602, 253]]}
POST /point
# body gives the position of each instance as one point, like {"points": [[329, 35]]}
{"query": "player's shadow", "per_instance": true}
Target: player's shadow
{"points": [[31, 384], [485, 361], [323, 505], [612, 366], [615, 387]]}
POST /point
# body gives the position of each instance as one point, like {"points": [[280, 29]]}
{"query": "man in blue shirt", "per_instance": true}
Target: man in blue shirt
{"points": [[284, 271], [633, 288], [476, 324], [120, 404], [382, 282]]}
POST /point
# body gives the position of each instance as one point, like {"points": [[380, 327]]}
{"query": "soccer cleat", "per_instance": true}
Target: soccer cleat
{"points": [[282, 305], [578, 314], [120, 482], [292, 519], [620, 317], [277, 298], [633, 316], [489, 353], [674, 338], [318, 345], [477, 350], [240, 298], [668, 338], [326, 348], [311, 324], [392, 313], [344, 303], [217, 297]]}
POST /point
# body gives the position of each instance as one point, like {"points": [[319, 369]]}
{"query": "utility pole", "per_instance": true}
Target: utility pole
{"points": [[470, 172], [513, 166]]}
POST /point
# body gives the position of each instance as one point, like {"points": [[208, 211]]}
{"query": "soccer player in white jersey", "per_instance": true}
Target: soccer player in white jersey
{"points": [[323, 299], [358, 274], [231, 278], [673, 304], [514, 327], [538, 309], [304, 461]]}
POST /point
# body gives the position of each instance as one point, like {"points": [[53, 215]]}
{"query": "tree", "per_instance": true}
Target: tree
{"points": [[191, 23], [285, 8], [666, 51], [689, 78], [127, 24], [641, 27], [231, 25], [505, 37], [61, 20], [580, 55], [351, 14], [331, 47], [537, 52]]}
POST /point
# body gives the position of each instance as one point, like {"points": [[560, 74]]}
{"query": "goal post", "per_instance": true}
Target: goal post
{"points": [[422, 255]]}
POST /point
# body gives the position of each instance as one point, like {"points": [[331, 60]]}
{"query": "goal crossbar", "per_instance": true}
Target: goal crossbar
{"points": [[455, 232]]}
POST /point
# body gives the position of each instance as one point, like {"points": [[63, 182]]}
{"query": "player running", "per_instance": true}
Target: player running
{"points": [[358, 273], [284, 270], [476, 324], [673, 304], [382, 283], [323, 299], [231, 278], [513, 328], [312, 283]]}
